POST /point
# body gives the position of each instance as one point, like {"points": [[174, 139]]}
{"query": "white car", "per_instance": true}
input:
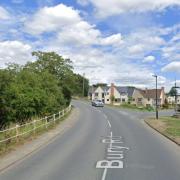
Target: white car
{"points": [[97, 103]]}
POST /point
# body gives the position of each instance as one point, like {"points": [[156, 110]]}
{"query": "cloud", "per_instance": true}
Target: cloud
{"points": [[14, 52], [4, 14], [172, 67], [105, 8], [69, 26], [149, 59], [52, 19]]}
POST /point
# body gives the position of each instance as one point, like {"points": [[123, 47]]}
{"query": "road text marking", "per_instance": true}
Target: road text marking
{"points": [[115, 154]]}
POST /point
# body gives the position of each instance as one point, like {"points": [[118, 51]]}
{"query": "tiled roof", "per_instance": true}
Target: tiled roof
{"points": [[151, 93], [126, 89]]}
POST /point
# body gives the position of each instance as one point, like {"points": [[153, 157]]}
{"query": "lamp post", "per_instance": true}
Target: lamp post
{"points": [[156, 97]]}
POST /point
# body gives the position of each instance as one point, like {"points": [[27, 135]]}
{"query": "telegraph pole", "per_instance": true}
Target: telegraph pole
{"points": [[157, 116], [83, 83]]}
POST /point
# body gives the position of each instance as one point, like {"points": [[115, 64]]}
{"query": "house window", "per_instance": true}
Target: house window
{"points": [[123, 100], [139, 99], [102, 95], [148, 99], [133, 99], [96, 94], [107, 93], [107, 99], [117, 100]]}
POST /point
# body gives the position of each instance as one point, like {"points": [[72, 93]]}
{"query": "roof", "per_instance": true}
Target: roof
{"points": [[92, 89], [126, 89], [151, 93]]}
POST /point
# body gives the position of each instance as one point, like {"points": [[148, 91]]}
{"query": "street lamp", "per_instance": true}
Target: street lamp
{"points": [[156, 97]]}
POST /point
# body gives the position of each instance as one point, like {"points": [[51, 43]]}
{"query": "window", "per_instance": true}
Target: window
{"points": [[133, 99], [107, 99], [123, 100], [96, 94], [139, 99], [102, 95], [117, 100], [148, 99]]}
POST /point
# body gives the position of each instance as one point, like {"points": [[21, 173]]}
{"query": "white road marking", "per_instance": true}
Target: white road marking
{"points": [[109, 123], [105, 116], [104, 174], [111, 133]]}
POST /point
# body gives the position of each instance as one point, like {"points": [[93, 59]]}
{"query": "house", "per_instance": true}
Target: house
{"points": [[171, 100], [147, 97], [111, 94]]}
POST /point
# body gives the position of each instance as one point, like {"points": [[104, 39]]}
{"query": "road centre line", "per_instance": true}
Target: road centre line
{"points": [[111, 133], [109, 123], [104, 174]]}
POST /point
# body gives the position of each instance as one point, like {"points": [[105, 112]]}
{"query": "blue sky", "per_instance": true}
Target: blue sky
{"points": [[124, 42]]}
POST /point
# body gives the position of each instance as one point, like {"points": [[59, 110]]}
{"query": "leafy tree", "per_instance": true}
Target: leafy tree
{"points": [[172, 91], [38, 88]]}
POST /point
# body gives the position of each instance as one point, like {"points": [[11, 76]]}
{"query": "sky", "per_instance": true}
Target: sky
{"points": [[112, 41]]}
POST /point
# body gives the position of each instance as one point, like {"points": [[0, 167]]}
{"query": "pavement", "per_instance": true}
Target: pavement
{"points": [[102, 144]]}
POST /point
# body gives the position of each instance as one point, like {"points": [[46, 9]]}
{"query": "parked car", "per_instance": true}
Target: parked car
{"points": [[97, 103]]}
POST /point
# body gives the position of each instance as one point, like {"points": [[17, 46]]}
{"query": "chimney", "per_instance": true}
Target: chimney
{"points": [[162, 89], [146, 90], [112, 89]]}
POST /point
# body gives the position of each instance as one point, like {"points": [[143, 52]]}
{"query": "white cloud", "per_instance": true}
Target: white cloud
{"points": [[149, 59], [70, 27], [106, 8], [135, 49], [172, 67], [14, 52], [4, 14], [142, 42], [52, 19], [83, 2], [115, 40]]}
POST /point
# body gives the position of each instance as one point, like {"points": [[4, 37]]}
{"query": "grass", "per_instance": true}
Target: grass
{"points": [[168, 126], [133, 107], [11, 144]]}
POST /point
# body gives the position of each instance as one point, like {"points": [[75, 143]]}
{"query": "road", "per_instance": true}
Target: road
{"points": [[102, 136]]}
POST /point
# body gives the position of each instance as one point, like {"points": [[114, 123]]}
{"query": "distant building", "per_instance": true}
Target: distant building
{"points": [[147, 97], [171, 100], [118, 95], [111, 94]]}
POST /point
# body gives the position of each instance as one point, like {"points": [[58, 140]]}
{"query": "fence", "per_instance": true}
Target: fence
{"points": [[8, 135]]}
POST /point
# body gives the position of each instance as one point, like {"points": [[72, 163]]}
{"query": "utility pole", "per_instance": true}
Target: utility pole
{"points": [[175, 96], [83, 83], [157, 116]]}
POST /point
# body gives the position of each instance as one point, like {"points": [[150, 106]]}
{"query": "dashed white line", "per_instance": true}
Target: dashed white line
{"points": [[104, 174], [109, 123], [105, 116]]}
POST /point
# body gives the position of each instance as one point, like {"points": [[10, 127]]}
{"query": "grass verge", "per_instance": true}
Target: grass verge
{"points": [[168, 126], [132, 107], [6, 147]]}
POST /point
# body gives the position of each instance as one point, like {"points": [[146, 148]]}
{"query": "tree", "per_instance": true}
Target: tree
{"points": [[38, 88], [172, 92]]}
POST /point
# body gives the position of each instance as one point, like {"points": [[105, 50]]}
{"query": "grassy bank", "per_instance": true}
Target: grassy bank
{"points": [[168, 126], [132, 107], [28, 133]]}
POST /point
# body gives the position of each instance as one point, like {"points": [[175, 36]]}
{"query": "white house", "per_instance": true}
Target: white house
{"points": [[171, 99], [111, 94]]}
